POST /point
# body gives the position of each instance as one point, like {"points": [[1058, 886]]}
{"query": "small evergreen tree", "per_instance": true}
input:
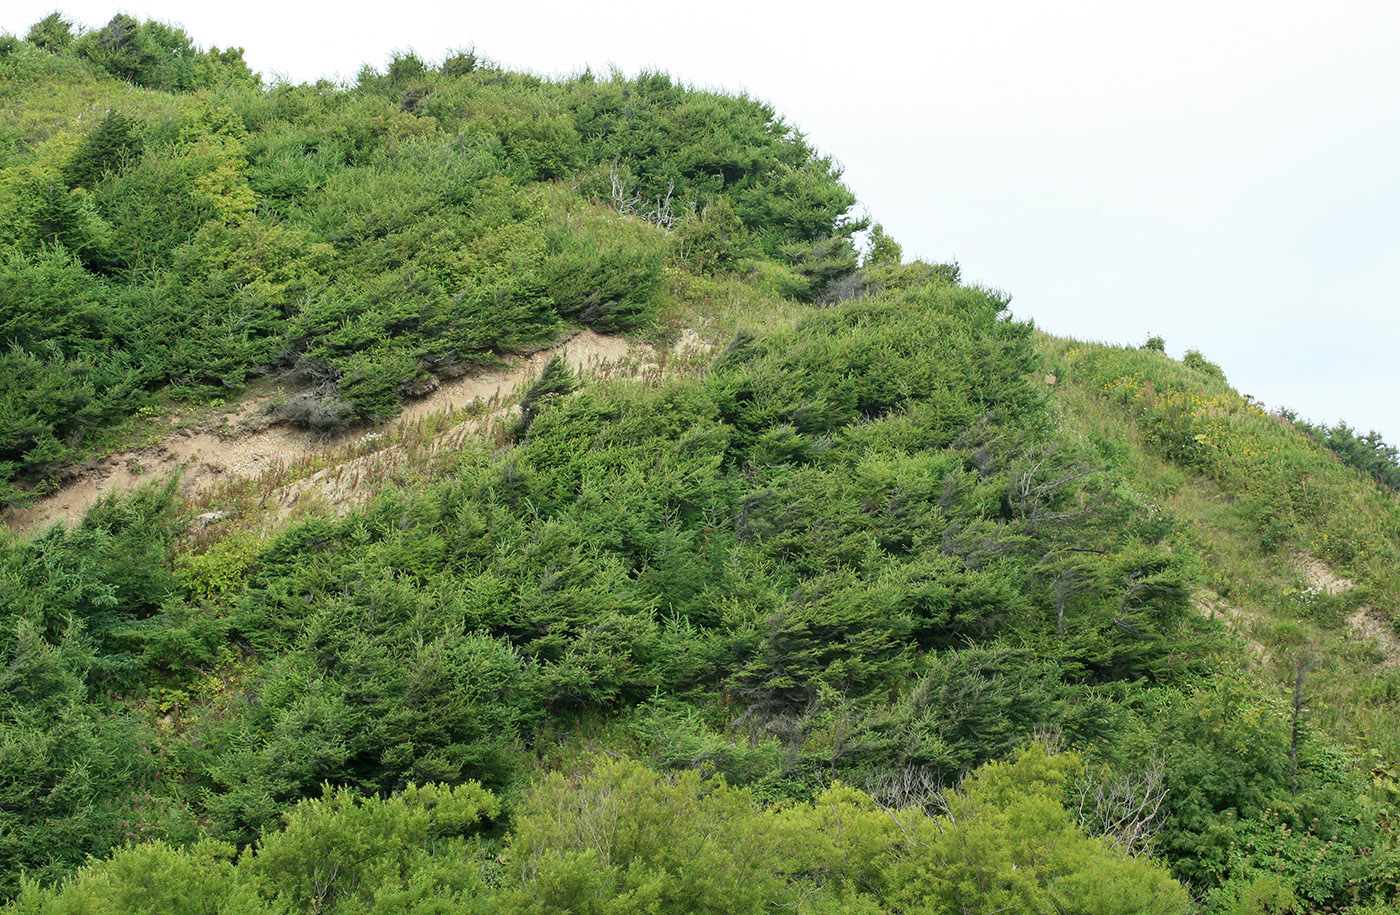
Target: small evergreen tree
{"points": [[53, 33]]}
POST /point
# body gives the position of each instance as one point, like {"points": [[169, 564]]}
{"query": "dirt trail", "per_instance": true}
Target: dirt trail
{"points": [[247, 443]]}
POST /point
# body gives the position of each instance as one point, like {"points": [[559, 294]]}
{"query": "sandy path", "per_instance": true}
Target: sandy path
{"points": [[250, 443]]}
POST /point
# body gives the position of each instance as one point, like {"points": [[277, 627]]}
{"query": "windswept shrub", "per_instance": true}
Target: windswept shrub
{"points": [[603, 271], [1194, 360], [881, 249], [714, 240], [556, 380], [828, 265], [53, 33]]}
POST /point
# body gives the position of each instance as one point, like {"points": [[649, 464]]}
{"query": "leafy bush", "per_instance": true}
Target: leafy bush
{"points": [[380, 235]]}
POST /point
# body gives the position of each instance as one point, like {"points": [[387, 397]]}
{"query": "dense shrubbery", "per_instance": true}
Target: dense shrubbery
{"points": [[852, 550], [632, 654], [354, 239], [617, 837]]}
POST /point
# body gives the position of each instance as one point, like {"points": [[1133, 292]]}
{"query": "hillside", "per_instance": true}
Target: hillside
{"points": [[808, 579]]}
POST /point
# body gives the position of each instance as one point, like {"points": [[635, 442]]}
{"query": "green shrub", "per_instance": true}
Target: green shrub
{"points": [[107, 148], [53, 33], [714, 240], [1194, 360]]}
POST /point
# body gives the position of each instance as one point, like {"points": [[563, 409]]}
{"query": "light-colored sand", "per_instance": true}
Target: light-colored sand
{"points": [[1365, 624], [1366, 627], [247, 442], [1319, 575], [1213, 606]]}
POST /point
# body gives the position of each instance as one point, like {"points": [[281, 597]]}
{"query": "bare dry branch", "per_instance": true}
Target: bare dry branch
{"points": [[1126, 808]]}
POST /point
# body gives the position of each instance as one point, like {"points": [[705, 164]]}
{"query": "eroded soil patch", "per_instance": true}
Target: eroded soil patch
{"points": [[248, 443]]}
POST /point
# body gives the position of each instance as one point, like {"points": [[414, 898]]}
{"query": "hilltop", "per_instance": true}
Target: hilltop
{"points": [[596, 529]]}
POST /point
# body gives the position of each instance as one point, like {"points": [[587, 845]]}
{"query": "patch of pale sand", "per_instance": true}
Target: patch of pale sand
{"points": [[585, 352], [1366, 626], [1213, 606], [1319, 575], [253, 444], [690, 341], [346, 483], [341, 485]]}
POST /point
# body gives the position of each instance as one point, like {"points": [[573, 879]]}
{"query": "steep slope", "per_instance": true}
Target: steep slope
{"points": [[166, 245], [1298, 551], [873, 600], [214, 450]]}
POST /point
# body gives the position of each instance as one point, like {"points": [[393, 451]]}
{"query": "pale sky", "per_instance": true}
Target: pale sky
{"points": [[1224, 174]]}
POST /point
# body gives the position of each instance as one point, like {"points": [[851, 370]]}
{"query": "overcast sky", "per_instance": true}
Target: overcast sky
{"points": [[1224, 174]]}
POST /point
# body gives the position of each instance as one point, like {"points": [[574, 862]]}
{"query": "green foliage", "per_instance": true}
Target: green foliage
{"points": [[825, 264], [359, 241], [634, 546], [985, 859], [154, 877], [1194, 360], [557, 380], [714, 240], [1368, 453], [882, 250], [1229, 752], [219, 572], [405, 853], [1295, 491], [863, 545], [620, 836], [77, 781], [603, 271], [617, 837], [53, 33], [108, 148], [156, 55]]}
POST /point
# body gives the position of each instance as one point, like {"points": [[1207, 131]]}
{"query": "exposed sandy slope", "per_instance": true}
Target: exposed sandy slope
{"points": [[1365, 624], [1236, 619], [248, 443], [1318, 575], [1366, 627], [344, 481]]}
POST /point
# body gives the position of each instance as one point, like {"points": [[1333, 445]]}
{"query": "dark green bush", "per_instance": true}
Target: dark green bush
{"points": [[106, 149], [53, 33]]}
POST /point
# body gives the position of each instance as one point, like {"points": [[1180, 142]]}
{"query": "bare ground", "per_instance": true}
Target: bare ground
{"points": [[1319, 575], [1365, 624], [1367, 627], [1239, 621], [248, 443]]}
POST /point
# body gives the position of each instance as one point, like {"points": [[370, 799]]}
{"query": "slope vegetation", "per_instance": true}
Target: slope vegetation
{"points": [[879, 603]]}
